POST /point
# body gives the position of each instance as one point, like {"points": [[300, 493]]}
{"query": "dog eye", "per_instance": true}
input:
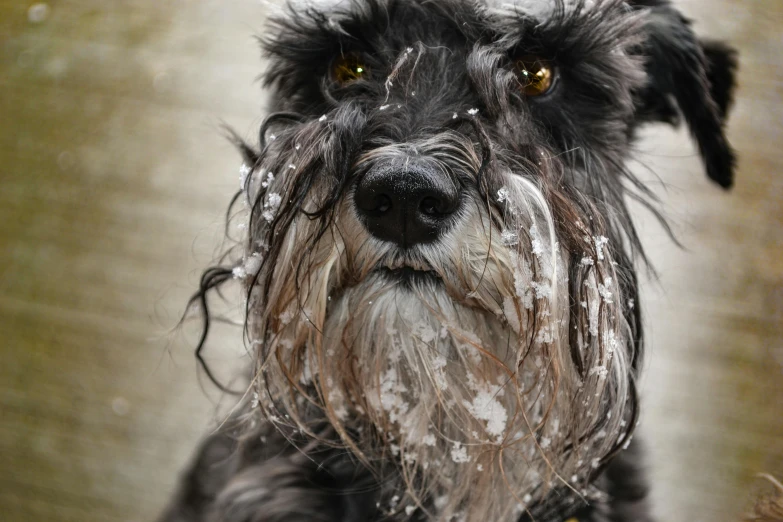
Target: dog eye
{"points": [[535, 75], [348, 68]]}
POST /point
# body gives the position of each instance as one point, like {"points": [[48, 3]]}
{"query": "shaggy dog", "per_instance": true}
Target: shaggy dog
{"points": [[439, 263]]}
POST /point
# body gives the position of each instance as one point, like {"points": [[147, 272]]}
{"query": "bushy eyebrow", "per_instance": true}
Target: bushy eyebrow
{"points": [[304, 38], [572, 32], [302, 43]]}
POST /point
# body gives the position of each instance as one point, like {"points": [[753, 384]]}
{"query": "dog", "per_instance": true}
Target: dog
{"points": [[439, 262]]}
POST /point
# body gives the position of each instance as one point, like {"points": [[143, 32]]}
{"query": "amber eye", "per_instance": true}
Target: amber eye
{"points": [[348, 68], [535, 75]]}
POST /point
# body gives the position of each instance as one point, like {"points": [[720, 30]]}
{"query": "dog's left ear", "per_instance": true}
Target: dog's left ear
{"points": [[690, 75]]}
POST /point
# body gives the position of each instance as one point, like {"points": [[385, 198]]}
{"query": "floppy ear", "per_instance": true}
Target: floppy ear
{"points": [[692, 78]]}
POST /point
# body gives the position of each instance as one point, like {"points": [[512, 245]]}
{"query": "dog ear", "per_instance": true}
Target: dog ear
{"points": [[690, 78], [721, 72]]}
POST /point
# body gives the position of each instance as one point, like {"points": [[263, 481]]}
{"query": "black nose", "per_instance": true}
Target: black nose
{"points": [[406, 205]]}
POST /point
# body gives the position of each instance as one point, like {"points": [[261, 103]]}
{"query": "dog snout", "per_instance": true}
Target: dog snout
{"points": [[407, 205]]}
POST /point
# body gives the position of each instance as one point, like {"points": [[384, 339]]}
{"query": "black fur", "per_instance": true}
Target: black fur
{"points": [[698, 77], [253, 471]]}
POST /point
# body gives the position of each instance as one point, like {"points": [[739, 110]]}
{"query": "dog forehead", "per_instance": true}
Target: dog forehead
{"points": [[537, 9]]}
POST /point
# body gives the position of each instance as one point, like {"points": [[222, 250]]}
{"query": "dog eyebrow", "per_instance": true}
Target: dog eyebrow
{"points": [[565, 29], [302, 43], [312, 37], [337, 24]]}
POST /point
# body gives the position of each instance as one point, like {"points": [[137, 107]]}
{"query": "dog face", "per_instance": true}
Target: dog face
{"points": [[439, 258]]}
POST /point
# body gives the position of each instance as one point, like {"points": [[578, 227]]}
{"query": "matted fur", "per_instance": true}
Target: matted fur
{"points": [[464, 377], [502, 367]]}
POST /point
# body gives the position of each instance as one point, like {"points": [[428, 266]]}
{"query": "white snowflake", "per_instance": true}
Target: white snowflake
{"points": [[543, 290], [603, 289], [459, 454], [253, 263], [600, 242], [273, 200], [337, 400], [244, 171], [391, 395], [536, 242], [593, 317], [610, 339], [271, 205], [509, 238], [424, 332], [486, 407], [438, 364], [510, 313], [522, 281], [546, 335]]}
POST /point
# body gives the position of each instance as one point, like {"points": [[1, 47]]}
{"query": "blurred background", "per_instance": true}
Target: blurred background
{"points": [[114, 180]]}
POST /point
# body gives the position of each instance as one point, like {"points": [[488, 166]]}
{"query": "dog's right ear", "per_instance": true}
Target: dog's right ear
{"points": [[688, 77]]}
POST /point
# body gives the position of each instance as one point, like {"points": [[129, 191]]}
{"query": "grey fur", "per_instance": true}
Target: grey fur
{"points": [[487, 372]]}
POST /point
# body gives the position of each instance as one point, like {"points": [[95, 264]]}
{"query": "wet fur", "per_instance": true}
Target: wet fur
{"points": [[496, 382]]}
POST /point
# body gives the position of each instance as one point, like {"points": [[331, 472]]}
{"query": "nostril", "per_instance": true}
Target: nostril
{"points": [[440, 203], [382, 203], [431, 207], [373, 203]]}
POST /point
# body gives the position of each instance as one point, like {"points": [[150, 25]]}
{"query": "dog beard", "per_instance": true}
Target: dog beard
{"points": [[456, 359]]}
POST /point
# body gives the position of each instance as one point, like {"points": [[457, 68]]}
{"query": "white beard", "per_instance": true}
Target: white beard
{"points": [[466, 381]]}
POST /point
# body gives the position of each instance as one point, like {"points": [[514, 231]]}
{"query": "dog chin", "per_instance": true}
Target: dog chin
{"points": [[408, 277], [407, 299], [438, 381]]}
